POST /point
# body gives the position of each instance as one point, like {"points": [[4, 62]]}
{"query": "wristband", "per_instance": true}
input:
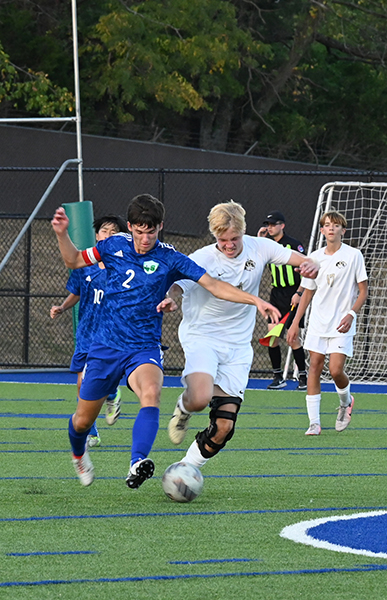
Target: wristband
{"points": [[299, 294], [352, 313]]}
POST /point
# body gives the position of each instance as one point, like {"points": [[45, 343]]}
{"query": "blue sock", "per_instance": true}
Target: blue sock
{"points": [[94, 430], [77, 440], [112, 396], [144, 432]]}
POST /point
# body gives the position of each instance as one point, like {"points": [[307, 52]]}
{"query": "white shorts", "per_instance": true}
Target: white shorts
{"points": [[322, 345], [229, 367]]}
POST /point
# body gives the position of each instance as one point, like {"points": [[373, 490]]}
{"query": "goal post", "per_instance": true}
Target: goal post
{"points": [[364, 205]]}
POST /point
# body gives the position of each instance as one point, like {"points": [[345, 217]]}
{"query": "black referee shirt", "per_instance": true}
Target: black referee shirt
{"points": [[284, 279]]}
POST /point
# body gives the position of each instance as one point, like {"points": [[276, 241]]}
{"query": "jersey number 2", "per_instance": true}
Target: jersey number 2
{"points": [[131, 274]]}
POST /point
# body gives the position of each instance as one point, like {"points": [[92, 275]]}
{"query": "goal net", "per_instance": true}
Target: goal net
{"points": [[364, 205]]}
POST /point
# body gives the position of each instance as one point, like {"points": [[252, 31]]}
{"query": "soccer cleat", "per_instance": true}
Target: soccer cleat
{"points": [[84, 469], [314, 429], [139, 472], [178, 425], [344, 416], [93, 441], [277, 383], [302, 382], [113, 408]]}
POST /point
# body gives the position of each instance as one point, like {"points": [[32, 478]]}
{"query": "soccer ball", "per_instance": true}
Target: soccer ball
{"points": [[182, 482]]}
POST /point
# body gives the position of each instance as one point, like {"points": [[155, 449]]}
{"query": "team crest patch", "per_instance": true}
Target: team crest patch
{"points": [[150, 266], [300, 248], [249, 265], [341, 264]]}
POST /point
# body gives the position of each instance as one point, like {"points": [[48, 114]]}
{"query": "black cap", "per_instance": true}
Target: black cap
{"points": [[274, 217]]}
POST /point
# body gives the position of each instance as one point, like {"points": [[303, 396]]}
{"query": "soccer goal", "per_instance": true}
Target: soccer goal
{"points": [[364, 205]]}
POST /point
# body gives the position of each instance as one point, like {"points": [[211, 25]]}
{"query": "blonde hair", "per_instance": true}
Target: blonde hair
{"points": [[334, 217], [225, 215]]}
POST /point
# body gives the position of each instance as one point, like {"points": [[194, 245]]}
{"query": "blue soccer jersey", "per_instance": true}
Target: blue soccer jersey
{"points": [[89, 284], [137, 283]]}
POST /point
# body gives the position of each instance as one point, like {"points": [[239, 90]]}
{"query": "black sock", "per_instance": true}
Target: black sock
{"points": [[299, 357], [275, 357]]}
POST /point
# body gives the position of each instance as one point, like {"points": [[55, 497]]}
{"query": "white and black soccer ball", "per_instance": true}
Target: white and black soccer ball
{"points": [[182, 482]]}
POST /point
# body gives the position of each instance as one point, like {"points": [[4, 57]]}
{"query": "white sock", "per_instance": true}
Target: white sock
{"points": [[313, 408], [344, 395], [180, 404], [194, 456]]}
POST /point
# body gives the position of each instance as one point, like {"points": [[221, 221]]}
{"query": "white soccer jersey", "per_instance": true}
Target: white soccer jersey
{"points": [[336, 288], [222, 321]]}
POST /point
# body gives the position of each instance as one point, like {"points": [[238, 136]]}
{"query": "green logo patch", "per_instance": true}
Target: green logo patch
{"points": [[150, 266]]}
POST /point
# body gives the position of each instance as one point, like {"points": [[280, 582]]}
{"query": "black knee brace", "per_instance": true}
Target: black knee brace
{"points": [[203, 438]]}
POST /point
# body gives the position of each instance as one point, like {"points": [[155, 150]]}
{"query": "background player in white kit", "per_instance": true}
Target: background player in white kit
{"points": [[215, 334], [338, 293]]}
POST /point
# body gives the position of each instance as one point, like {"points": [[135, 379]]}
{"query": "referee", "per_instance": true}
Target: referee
{"points": [[285, 291]]}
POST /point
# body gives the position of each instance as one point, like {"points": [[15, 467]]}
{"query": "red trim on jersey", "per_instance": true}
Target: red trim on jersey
{"points": [[91, 256]]}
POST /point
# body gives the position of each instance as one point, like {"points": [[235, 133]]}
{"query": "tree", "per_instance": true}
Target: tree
{"points": [[310, 102], [300, 79], [178, 54], [32, 91]]}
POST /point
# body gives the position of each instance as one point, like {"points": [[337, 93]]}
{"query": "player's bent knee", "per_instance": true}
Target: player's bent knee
{"points": [[204, 438], [195, 401], [338, 375], [224, 428], [82, 424]]}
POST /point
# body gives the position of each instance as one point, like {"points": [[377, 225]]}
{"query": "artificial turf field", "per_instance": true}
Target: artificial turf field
{"points": [[60, 540]]}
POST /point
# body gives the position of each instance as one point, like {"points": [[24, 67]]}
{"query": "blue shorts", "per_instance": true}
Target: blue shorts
{"points": [[106, 366], [78, 362]]}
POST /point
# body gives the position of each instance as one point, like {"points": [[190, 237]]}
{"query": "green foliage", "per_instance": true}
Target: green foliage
{"points": [[304, 79], [36, 41], [32, 90], [180, 53], [335, 105]]}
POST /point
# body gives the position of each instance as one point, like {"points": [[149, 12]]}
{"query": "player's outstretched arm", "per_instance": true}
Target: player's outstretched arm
{"points": [[169, 304], [306, 266], [70, 301], [72, 257], [55, 311], [268, 310], [226, 291]]}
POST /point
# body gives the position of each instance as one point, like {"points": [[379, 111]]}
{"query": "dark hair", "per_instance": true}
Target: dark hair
{"points": [[116, 220], [145, 210]]}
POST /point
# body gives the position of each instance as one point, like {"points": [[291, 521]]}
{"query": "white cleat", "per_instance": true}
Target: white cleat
{"points": [[314, 429], [178, 425], [84, 469], [344, 416], [113, 408], [93, 441]]}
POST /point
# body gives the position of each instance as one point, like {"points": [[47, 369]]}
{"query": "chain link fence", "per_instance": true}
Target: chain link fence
{"points": [[35, 277]]}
